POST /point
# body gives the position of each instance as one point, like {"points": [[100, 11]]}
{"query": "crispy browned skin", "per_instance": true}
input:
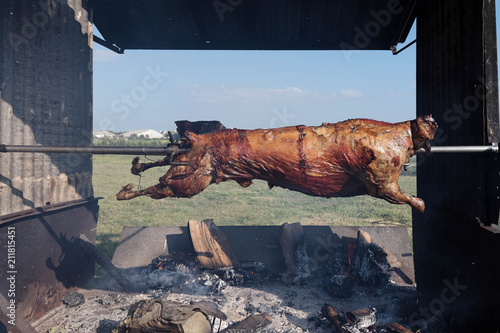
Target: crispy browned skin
{"points": [[353, 157]]}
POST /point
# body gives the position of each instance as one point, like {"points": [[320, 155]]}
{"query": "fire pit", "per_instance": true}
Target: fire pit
{"points": [[258, 292]]}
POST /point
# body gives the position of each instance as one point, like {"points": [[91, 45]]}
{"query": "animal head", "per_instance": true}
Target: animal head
{"points": [[422, 130]]}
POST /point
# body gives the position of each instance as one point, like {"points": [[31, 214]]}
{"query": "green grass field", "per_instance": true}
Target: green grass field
{"points": [[228, 204]]}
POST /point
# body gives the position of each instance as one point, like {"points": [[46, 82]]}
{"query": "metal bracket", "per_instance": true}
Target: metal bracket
{"points": [[108, 45], [395, 51]]}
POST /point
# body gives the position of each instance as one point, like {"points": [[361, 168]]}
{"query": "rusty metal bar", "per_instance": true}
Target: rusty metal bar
{"points": [[163, 151]]}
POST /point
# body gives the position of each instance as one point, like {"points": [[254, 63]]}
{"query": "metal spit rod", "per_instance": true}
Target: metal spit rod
{"points": [[461, 149], [163, 151], [174, 149]]}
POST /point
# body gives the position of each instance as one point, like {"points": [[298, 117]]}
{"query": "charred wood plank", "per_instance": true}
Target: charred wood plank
{"points": [[357, 319], [290, 236], [364, 238], [212, 247], [397, 328], [252, 323], [362, 318], [333, 317], [371, 263], [364, 241], [105, 263]]}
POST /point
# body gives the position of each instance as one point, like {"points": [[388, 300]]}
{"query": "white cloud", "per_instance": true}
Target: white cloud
{"points": [[224, 94], [105, 55], [349, 93]]}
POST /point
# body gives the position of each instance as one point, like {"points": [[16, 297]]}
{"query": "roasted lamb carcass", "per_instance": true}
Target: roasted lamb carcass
{"points": [[353, 157]]}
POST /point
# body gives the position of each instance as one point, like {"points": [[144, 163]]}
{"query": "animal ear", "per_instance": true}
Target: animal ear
{"points": [[191, 136], [429, 120]]}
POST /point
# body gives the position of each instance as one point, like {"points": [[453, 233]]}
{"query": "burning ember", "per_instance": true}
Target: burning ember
{"points": [[169, 264], [351, 247], [363, 263]]}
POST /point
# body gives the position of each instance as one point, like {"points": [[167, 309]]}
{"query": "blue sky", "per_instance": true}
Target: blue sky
{"points": [[251, 89]]}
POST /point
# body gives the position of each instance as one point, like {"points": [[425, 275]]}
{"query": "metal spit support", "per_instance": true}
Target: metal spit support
{"points": [[171, 149], [461, 149], [174, 149]]}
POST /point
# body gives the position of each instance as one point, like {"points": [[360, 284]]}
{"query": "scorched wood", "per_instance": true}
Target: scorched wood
{"points": [[291, 237], [161, 315], [252, 323], [353, 157], [212, 248]]}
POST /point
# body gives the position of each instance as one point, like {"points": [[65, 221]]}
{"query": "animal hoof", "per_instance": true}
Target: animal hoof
{"points": [[136, 166], [123, 194], [418, 204]]}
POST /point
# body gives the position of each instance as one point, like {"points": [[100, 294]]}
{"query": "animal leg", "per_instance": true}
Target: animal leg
{"points": [[395, 195], [137, 167], [179, 182], [155, 192], [186, 181], [177, 188]]}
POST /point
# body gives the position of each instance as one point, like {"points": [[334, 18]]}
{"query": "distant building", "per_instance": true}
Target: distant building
{"points": [[147, 133], [103, 134]]}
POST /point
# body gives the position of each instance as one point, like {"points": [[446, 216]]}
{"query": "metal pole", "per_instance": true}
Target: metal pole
{"points": [[174, 149], [461, 149], [163, 151]]}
